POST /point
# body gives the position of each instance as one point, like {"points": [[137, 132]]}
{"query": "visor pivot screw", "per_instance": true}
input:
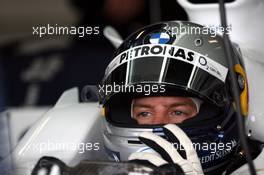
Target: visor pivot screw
{"points": [[241, 82], [198, 42]]}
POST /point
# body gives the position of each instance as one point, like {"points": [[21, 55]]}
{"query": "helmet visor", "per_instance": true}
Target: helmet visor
{"points": [[161, 64]]}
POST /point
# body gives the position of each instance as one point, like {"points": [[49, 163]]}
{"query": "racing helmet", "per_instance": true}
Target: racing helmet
{"points": [[180, 59]]}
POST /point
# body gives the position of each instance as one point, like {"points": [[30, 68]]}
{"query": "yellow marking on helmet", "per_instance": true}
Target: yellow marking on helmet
{"points": [[244, 95], [103, 112]]}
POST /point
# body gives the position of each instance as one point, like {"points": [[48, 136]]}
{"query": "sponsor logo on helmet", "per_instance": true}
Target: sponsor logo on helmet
{"points": [[173, 52], [159, 38]]}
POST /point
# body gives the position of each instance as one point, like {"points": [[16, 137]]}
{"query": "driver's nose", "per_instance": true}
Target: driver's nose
{"points": [[160, 119]]}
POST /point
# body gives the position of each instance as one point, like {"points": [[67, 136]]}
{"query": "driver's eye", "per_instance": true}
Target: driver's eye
{"points": [[144, 114], [177, 113]]}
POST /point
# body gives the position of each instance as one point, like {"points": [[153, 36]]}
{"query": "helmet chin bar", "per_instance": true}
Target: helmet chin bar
{"points": [[120, 142]]}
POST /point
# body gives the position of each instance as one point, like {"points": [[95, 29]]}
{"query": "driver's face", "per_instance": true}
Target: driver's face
{"points": [[163, 110]]}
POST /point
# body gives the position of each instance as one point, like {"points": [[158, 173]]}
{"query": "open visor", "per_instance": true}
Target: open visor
{"points": [[158, 66]]}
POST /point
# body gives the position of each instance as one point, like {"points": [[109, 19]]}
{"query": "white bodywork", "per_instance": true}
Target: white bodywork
{"points": [[69, 131]]}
